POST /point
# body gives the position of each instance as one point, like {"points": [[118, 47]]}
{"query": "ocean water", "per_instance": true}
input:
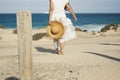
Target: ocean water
{"points": [[86, 21]]}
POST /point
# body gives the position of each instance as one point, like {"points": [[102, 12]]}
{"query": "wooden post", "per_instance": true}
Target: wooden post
{"points": [[24, 29]]}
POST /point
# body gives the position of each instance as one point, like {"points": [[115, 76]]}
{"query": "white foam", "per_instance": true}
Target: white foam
{"points": [[92, 27]]}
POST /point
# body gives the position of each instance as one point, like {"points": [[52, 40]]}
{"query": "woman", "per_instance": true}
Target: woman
{"points": [[57, 13]]}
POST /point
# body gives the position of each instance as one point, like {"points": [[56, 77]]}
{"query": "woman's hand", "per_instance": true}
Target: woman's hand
{"points": [[49, 22], [75, 18]]}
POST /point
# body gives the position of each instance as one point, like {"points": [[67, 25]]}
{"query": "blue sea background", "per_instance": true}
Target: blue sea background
{"points": [[86, 21]]}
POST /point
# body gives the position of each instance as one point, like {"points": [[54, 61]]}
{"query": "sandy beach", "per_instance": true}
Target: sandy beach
{"points": [[90, 56]]}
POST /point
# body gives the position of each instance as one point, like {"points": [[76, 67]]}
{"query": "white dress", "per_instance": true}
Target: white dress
{"points": [[59, 15]]}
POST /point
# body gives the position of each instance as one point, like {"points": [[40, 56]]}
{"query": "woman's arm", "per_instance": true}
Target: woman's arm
{"points": [[50, 10], [71, 11]]}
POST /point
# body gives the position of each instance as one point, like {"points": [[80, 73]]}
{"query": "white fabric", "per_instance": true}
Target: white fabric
{"points": [[59, 15]]}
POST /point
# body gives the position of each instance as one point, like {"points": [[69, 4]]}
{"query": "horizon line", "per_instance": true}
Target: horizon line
{"points": [[66, 13]]}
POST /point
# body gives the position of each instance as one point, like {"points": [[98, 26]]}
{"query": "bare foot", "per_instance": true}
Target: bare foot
{"points": [[62, 52], [59, 52], [56, 50]]}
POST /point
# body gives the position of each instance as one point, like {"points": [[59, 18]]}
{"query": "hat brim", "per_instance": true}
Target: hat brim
{"points": [[57, 25]]}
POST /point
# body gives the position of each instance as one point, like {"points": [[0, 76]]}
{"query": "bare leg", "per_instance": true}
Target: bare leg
{"points": [[57, 46], [62, 48]]}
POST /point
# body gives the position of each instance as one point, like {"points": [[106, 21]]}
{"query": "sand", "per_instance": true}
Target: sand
{"points": [[87, 57]]}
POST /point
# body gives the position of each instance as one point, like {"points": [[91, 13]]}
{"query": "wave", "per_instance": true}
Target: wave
{"points": [[92, 27]]}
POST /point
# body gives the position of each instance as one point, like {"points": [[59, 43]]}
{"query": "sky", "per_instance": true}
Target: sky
{"points": [[79, 6]]}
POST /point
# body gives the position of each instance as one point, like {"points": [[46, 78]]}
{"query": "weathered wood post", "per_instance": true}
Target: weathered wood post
{"points": [[24, 29]]}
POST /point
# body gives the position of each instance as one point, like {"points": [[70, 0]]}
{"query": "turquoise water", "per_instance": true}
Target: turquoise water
{"points": [[85, 21]]}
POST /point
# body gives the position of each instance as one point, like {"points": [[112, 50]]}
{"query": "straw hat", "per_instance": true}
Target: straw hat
{"points": [[55, 30]]}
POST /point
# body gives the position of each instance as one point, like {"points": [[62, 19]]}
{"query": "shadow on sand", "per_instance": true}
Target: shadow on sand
{"points": [[105, 56], [110, 44], [41, 49], [12, 78]]}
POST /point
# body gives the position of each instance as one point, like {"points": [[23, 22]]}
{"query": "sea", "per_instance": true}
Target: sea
{"points": [[86, 21]]}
